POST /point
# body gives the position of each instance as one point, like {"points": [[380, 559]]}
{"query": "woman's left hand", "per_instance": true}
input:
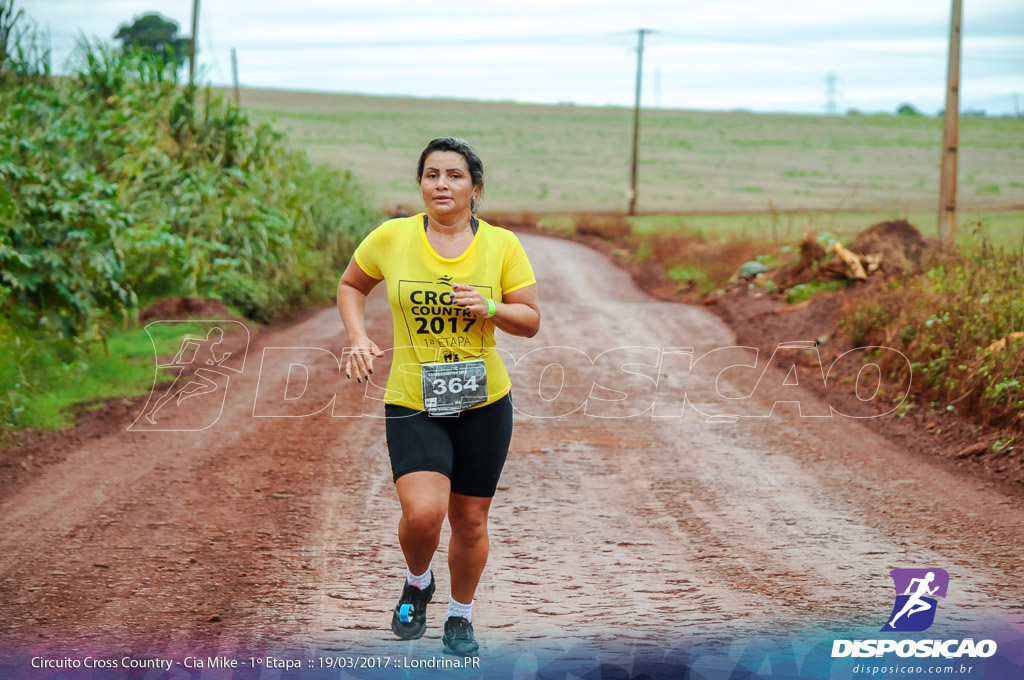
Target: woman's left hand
{"points": [[469, 297]]}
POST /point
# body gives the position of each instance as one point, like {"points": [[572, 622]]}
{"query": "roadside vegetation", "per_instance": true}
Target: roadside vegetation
{"points": [[958, 317], [119, 186], [960, 324]]}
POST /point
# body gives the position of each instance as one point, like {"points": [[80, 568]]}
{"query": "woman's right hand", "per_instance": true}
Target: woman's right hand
{"points": [[361, 353]]}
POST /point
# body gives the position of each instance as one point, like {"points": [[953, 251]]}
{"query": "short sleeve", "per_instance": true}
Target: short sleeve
{"points": [[370, 253], [517, 272]]}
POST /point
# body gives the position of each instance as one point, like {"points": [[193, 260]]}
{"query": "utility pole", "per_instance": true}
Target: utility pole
{"points": [[641, 32], [950, 136], [192, 42], [830, 93], [234, 76]]}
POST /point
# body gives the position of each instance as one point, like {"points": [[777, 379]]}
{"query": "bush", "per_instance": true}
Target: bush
{"points": [[959, 324], [119, 186]]}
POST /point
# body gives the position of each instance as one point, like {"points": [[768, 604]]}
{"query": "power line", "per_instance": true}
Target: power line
{"points": [[468, 41], [611, 38], [601, 40], [211, 49]]}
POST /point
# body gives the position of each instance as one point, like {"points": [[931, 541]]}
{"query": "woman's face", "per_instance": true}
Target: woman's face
{"points": [[447, 186]]}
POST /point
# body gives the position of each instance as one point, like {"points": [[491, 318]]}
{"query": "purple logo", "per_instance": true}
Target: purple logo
{"points": [[916, 590]]}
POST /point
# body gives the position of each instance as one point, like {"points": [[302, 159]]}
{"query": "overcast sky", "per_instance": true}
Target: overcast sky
{"points": [[761, 55]]}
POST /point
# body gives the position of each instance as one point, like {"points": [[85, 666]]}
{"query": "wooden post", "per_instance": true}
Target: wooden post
{"points": [[950, 136], [192, 42], [636, 117]]}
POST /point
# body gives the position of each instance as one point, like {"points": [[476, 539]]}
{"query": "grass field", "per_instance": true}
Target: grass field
{"points": [[549, 159], [998, 227], [121, 368]]}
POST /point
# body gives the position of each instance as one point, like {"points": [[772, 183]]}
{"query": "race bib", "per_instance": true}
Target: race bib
{"points": [[454, 387]]}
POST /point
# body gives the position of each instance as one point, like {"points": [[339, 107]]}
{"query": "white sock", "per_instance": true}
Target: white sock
{"points": [[421, 581], [456, 608]]}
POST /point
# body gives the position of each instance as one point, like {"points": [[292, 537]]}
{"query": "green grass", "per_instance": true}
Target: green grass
{"points": [[687, 273], [127, 371], [954, 325], [1003, 229], [561, 223], [163, 338], [805, 291]]}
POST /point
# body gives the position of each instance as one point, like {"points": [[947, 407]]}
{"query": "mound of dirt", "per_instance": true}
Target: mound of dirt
{"points": [[899, 244], [804, 269], [185, 308], [898, 250], [884, 250]]}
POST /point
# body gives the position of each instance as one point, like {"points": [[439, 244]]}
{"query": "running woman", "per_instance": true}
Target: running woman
{"points": [[451, 280]]}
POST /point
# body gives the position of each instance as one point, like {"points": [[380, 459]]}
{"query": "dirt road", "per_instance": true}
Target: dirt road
{"points": [[260, 532]]}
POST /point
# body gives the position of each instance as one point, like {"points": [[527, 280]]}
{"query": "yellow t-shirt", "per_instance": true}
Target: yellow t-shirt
{"points": [[429, 326]]}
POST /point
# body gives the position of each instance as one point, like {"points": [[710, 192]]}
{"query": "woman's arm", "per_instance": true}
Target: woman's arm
{"points": [[353, 288], [517, 314]]}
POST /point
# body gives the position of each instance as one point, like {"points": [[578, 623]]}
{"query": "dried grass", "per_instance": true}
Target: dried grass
{"points": [[613, 227]]}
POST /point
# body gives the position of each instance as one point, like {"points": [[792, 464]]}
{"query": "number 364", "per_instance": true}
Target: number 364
{"points": [[454, 385]]}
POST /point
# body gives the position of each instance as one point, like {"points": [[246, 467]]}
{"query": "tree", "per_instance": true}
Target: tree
{"points": [[907, 110], [155, 35], [22, 51], [8, 29]]}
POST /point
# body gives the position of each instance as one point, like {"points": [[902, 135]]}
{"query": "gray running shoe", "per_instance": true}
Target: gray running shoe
{"points": [[409, 620], [458, 637]]}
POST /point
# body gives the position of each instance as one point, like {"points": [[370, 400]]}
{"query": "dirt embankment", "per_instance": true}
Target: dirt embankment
{"points": [[762, 318]]}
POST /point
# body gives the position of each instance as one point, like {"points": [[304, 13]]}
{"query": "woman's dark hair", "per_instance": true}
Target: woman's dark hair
{"points": [[461, 147]]}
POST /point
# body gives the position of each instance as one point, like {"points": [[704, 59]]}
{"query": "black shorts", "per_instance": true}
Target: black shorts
{"points": [[469, 448]]}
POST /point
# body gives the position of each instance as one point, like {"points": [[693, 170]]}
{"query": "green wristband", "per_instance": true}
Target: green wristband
{"points": [[491, 308]]}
